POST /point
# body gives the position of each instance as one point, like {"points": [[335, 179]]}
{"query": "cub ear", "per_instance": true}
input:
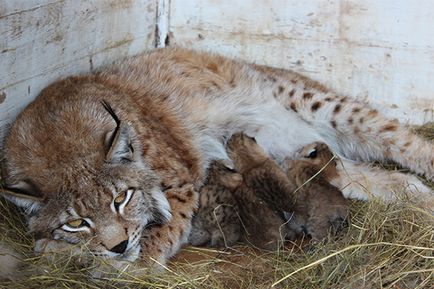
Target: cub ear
{"points": [[119, 141], [25, 195], [252, 138], [228, 164]]}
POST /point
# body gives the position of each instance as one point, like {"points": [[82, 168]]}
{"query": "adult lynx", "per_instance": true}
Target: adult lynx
{"points": [[96, 174]]}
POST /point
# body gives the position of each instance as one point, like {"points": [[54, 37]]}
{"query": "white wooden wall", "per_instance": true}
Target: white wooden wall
{"points": [[380, 49], [43, 40]]}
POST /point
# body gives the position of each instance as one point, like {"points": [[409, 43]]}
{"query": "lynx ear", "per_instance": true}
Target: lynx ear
{"points": [[25, 195], [121, 149], [228, 163], [118, 141]]}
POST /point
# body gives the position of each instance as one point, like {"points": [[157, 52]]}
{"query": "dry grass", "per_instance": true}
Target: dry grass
{"points": [[385, 246], [426, 130]]}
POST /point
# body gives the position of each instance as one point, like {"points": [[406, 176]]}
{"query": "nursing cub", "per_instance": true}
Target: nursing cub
{"points": [[273, 205], [92, 159], [216, 222]]}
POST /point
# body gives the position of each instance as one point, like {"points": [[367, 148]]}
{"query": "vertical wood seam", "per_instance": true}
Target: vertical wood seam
{"points": [[162, 23]]}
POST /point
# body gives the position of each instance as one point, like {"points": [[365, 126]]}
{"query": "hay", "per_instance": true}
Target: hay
{"points": [[385, 246], [426, 130]]}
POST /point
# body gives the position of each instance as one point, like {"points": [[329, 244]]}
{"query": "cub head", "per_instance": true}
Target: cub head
{"points": [[320, 156], [245, 152], [79, 175], [220, 174]]}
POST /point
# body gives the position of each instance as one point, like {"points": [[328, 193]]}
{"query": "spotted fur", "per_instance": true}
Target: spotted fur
{"points": [[163, 241], [177, 108], [275, 206], [321, 207], [216, 223]]}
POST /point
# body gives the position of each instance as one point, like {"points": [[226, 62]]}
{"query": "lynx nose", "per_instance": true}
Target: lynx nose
{"points": [[120, 248]]}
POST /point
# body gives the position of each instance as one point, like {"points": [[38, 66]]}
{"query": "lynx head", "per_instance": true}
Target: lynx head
{"points": [[245, 152], [319, 156], [79, 174], [220, 174]]}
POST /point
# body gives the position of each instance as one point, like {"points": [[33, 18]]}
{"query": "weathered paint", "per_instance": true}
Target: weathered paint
{"points": [[44, 40], [162, 25], [379, 50]]}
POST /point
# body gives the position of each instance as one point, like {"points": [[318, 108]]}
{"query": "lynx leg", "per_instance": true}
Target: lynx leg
{"points": [[350, 127], [362, 181], [162, 242], [10, 262], [359, 132]]}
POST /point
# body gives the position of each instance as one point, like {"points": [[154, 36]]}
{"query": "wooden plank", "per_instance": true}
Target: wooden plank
{"points": [[41, 41], [382, 51], [162, 25]]}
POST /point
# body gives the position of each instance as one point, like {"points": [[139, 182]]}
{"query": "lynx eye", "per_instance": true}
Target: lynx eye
{"points": [[75, 225], [121, 200]]}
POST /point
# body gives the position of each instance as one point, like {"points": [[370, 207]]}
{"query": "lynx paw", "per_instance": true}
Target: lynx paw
{"points": [[112, 268], [43, 246], [162, 242]]}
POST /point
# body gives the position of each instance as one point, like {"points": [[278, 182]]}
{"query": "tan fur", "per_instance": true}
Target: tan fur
{"points": [[321, 206], [163, 241], [274, 206], [66, 158], [324, 160], [10, 262], [264, 184], [216, 223], [260, 173], [263, 227]]}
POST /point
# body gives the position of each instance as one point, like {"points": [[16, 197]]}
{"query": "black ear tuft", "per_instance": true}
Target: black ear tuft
{"points": [[119, 142], [110, 110]]}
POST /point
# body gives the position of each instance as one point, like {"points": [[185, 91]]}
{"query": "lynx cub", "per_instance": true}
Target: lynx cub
{"points": [[263, 182], [90, 158], [321, 206], [216, 222], [268, 199]]}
